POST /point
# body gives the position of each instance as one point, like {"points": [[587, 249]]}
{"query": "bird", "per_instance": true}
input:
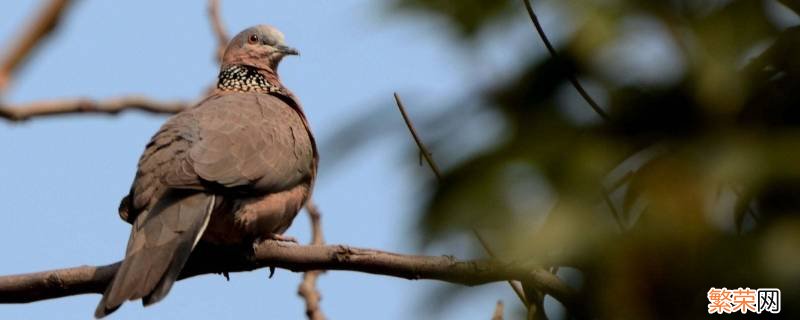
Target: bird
{"points": [[232, 170]]}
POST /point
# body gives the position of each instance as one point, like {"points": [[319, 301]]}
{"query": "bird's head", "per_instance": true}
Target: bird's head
{"points": [[260, 46]]}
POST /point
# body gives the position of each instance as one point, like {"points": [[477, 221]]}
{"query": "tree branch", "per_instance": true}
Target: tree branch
{"points": [[67, 106], [572, 79], [89, 279], [308, 287], [218, 27], [422, 148], [46, 21]]}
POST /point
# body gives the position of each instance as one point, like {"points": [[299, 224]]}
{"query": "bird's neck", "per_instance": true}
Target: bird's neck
{"points": [[243, 78]]}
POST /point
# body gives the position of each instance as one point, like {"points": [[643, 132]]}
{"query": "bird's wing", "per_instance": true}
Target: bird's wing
{"points": [[164, 163], [247, 142], [252, 141], [160, 244]]}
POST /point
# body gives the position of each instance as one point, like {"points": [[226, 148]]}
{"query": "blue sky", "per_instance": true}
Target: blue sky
{"points": [[62, 177]]}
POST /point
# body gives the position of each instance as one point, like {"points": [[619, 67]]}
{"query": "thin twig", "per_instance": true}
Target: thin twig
{"points": [[425, 153], [218, 27], [514, 285], [498, 311], [71, 106], [45, 22], [435, 168], [308, 287], [89, 279], [572, 79]]}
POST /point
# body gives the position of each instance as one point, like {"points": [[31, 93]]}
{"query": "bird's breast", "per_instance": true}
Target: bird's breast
{"points": [[242, 220]]}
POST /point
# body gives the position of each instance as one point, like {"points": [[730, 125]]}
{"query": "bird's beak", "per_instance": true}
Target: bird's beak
{"points": [[289, 51]]}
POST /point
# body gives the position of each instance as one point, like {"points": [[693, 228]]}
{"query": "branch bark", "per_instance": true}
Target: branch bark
{"points": [[32, 287], [68, 106]]}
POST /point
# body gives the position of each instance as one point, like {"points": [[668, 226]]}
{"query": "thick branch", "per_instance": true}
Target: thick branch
{"points": [[88, 279], [68, 106], [45, 22]]}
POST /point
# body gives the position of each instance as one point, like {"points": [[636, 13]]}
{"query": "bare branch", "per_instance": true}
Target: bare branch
{"points": [[46, 21], [69, 106], [425, 153], [498, 311], [569, 75], [308, 287], [89, 279], [218, 27]]}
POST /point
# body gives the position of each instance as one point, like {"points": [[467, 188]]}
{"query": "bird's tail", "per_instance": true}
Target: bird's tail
{"points": [[161, 241]]}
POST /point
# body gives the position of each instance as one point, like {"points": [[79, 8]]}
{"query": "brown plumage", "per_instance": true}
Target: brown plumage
{"points": [[235, 168]]}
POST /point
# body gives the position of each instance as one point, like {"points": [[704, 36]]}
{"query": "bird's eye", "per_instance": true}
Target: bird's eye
{"points": [[253, 38]]}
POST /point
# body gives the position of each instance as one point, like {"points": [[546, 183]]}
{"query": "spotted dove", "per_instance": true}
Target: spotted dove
{"points": [[234, 169]]}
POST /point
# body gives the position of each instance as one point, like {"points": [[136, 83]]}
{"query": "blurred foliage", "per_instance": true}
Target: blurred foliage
{"points": [[693, 183], [469, 16]]}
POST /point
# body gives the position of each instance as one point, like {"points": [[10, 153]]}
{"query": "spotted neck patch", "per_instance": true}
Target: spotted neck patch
{"points": [[244, 79]]}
